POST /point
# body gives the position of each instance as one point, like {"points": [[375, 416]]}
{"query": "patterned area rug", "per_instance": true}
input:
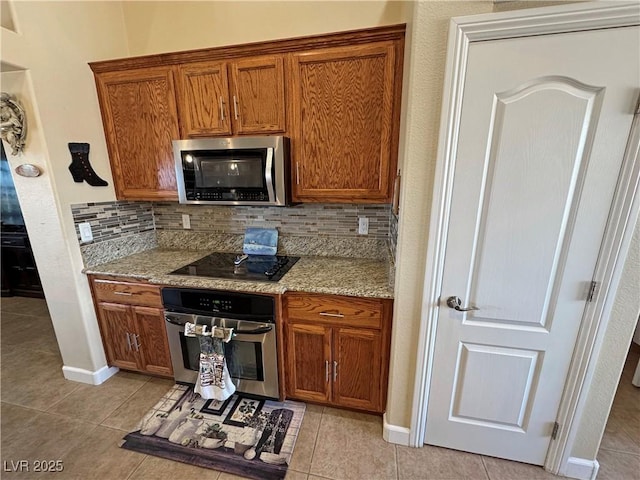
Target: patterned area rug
{"points": [[243, 435]]}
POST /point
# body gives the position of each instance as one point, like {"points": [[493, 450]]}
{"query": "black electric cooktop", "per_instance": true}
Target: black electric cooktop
{"points": [[262, 268]]}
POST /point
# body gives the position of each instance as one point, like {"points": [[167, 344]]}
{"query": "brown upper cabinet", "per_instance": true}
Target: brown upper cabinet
{"points": [[140, 121], [336, 96], [343, 123], [232, 98]]}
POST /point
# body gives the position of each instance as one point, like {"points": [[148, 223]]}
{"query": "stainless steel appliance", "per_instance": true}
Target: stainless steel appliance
{"points": [[233, 171], [251, 355], [262, 268]]}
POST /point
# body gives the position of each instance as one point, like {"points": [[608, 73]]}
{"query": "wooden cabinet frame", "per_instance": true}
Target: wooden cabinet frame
{"points": [[338, 350], [245, 96], [343, 132], [258, 96], [140, 120], [132, 325], [203, 99]]}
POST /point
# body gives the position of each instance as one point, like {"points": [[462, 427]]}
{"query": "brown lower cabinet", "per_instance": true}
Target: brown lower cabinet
{"points": [[338, 350], [131, 322]]}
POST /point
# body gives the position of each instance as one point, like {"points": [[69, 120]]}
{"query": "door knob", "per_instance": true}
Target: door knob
{"points": [[455, 303]]}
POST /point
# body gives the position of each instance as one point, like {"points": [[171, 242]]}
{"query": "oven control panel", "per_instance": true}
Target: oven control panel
{"points": [[206, 302], [214, 304]]}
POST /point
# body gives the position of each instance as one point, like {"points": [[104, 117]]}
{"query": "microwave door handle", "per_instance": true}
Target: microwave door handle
{"points": [[268, 176]]}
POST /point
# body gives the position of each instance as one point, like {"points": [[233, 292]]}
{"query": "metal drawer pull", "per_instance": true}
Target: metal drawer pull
{"points": [[455, 303], [221, 109], [335, 370], [136, 344], [128, 341], [235, 106], [123, 293], [297, 173], [326, 370], [325, 314]]}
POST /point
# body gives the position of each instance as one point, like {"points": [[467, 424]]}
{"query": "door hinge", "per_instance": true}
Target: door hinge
{"points": [[554, 433], [592, 291]]}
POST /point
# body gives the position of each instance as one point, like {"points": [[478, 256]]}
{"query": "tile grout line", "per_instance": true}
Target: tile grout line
{"points": [[8, 402], [137, 467], [619, 451], [62, 415], [397, 465], [486, 470], [123, 402], [65, 396], [315, 442]]}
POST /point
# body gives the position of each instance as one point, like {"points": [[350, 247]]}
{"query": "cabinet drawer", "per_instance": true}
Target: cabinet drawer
{"points": [[127, 293], [335, 310]]}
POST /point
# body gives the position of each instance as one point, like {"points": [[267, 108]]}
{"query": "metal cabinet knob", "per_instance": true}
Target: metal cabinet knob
{"points": [[455, 303]]}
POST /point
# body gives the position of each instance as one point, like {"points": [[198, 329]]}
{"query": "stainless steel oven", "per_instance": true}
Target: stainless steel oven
{"points": [[251, 355]]}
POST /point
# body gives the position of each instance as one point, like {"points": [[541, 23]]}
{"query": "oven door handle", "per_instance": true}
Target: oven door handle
{"points": [[255, 331], [175, 321]]}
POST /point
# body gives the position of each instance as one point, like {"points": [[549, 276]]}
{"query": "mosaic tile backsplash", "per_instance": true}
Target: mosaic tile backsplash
{"points": [[393, 233], [113, 220], [124, 228], [307, 219]]}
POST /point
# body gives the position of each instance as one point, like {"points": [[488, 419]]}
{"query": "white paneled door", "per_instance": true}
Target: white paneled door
{"points": [[542, 135]]}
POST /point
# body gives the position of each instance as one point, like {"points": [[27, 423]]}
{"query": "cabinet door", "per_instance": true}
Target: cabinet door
{"points": [[117, 335], [308, 360], [357, 368], [21, 271], [258, 95], [342, 125], [140, 119], [151, 340], [203, 95]]}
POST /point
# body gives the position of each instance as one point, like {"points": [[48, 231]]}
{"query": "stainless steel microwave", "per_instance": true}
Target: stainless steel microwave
{"points": [[233, 171]]}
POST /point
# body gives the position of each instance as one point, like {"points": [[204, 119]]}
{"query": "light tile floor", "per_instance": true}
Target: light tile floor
{"points": [[45, 417]]}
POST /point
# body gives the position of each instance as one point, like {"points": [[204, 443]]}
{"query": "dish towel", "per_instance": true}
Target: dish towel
{"points": [[214, 381]]}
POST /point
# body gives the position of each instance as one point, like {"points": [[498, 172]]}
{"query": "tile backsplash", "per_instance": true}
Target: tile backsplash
{"points": [[393, 233], [121, 228], [303, 220], [113, 220]]}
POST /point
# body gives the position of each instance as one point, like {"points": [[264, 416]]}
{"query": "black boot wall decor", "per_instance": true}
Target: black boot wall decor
{"points": [[80, 168]]}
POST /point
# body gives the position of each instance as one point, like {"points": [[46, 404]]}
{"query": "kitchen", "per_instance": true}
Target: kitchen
{"points": [[416, 176]]}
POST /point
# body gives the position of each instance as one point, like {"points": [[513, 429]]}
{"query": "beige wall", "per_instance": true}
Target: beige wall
{"points": [[426, 51], [54, 44], [154, 27], [6, 15]]}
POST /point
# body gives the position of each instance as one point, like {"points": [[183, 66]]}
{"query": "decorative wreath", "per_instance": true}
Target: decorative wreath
{"points": [[13, 122]]}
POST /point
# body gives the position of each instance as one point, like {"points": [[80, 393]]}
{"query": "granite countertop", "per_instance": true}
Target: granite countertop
{"points": [[360, 277]]}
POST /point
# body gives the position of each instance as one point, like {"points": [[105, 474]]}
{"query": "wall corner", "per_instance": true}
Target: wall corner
{"points": [[394, 433]]}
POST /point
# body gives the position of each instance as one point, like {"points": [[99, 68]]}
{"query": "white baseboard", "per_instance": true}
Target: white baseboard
{"points": [[394, 433], [581, 468], [87, 376]]}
